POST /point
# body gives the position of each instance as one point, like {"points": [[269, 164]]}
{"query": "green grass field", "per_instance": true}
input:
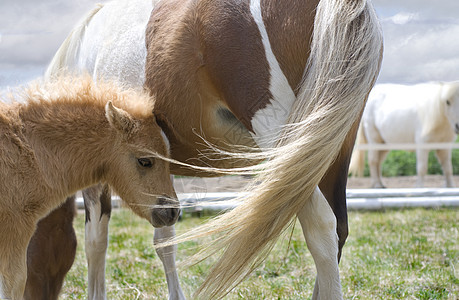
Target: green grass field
{"points": [[395, 254]]}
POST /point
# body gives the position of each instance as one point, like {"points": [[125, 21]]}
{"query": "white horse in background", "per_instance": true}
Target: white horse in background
{"points": [[422, 113]]}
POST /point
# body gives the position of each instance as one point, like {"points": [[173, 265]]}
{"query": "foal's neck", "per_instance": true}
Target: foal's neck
{"points": [[71, 141]]}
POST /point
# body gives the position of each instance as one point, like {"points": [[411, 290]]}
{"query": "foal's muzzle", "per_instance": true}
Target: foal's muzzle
{"points": [[166, 212]]}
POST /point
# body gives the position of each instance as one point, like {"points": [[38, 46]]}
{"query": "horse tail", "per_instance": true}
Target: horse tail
{"points": [[66, 55], [342, 67], [357, 165]]}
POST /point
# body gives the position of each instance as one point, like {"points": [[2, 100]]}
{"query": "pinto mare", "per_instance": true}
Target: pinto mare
{"points": [[420, 114], [235, 73], [68, 135]]}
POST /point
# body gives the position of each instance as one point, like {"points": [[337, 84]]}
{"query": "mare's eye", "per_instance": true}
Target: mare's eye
{"points": [[448, 103], [145, 162]]}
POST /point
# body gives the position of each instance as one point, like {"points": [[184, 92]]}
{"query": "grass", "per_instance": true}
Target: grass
{"points": [[403, 163], [394, 254]]}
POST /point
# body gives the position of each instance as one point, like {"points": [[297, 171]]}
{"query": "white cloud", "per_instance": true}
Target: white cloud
{"points": [[421, 41], [419, 51], [403, 18]]}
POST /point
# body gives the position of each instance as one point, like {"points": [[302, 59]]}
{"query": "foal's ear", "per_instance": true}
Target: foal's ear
{"points": [[119, 119]]}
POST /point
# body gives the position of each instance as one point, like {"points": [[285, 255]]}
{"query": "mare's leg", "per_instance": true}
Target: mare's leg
{"points": [[97, 201], [422, 157], [167, 256], [51, 253], [444, 158], [333, 186], [319, 228]]}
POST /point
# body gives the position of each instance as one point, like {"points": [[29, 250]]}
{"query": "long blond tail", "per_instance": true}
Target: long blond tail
{"points": [[342, 67], [357, 164], [66, 56]]}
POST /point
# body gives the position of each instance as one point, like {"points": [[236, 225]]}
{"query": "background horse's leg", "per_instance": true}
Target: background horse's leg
{"points": [[319, 228], [422, 157], [375, 160], [98, 207], [51, 253], [444, 158], [167, 256]]}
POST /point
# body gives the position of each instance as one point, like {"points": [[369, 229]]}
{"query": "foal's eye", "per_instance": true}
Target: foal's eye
{"points": [[145, 162], [448, 103]]}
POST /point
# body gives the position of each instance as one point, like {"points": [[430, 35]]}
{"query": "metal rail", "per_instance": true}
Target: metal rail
{"points": [[357, 199], [407, 146]]}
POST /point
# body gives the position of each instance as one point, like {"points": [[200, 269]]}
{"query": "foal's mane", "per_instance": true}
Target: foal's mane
{"points": [[82, 90]]}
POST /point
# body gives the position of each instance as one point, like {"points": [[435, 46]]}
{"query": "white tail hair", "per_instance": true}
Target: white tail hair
{"points": [[66, 56], [342, 68], [357, 164]]}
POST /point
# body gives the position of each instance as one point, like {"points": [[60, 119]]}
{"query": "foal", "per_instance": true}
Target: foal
{"points": [[69, 135]]}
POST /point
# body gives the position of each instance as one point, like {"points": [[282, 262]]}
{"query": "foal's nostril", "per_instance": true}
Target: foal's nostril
{"points": [[174, 213]]}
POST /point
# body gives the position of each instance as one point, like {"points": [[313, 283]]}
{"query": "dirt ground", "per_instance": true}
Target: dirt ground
{"points": [[237, 183]]}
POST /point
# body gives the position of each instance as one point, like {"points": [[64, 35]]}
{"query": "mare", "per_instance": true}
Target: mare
{"points": [[289, 78], [67, 135], [421, 114]]}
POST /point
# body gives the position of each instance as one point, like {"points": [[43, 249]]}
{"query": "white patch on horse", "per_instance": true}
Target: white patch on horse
{"points": [[166, 141], [267, 122], [96, 242], [2, 295], [319, 228], [113, 46], [167, 256]]}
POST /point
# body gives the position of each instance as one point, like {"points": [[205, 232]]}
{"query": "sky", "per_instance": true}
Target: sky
{"points": [[421, 38]]}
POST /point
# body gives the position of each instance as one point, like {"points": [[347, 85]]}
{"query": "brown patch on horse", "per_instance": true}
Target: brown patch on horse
{"points": [[224, 78], [293, 24], [333, 185], [101, 193], [235, 57], [51, 253]]}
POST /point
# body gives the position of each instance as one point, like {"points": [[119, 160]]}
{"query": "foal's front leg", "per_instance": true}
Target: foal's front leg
{"points": [[97, 202], [167, 256], [319, 228], [14, 238]]}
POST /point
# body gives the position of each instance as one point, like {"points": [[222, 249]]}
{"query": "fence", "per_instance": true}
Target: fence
{"points": [[367, 199], [430, 146], [357, 199]]}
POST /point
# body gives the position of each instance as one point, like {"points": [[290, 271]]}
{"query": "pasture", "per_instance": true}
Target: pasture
{"points": [[394, 254]]}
